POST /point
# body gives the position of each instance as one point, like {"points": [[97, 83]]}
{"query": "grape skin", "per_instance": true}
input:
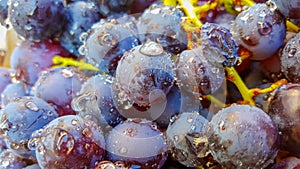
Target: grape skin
{"points": [[284, 110], [290, 9], [37, 20], [243, 136], [290, 58], [3, 11], [259, 29]]}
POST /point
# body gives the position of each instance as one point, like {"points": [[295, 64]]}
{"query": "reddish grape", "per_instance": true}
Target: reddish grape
{"points": [[288, 163], [30, 58], [69, 142], [58, 86], [285, 112], [243, 136]]}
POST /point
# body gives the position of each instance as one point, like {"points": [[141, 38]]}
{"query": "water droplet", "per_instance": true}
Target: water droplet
{"points": [[292, 52], [123, 150], [151, 48], [64, 142], [264, 28], [86, 132], [41, 149], [32, 106], [221, 125], [67, 73], [33, 143], [74, 122]]}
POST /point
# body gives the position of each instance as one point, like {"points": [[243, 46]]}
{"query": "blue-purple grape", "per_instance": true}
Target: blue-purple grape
{"points": [[260, 29], [144, 74], [95, 101], [81, 16], [5, 78], [184, 134], [58, 86], [162, 24], [290, 9], [37, 20], [3, 11], [138, 142], [13, 91], [108, 7], [196, 74], [22, 117], [284, 110], [107, 41], [290, 56], [9, 160], [69, 142], [243, 136], [288, 163]]}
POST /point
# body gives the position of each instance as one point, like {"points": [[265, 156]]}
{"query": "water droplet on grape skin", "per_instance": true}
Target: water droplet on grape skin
{"points": [[32, 106], [151, 48]]}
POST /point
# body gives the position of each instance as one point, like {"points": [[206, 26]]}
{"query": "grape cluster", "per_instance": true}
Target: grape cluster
{"points": [[126, 84]]}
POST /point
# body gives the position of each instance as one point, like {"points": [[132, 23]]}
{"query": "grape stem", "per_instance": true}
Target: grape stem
{"points": [[250, 94], [59, 61]]}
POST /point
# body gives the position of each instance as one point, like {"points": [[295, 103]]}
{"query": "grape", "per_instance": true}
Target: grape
{"points": [[81, 16], [37, 20], [5, 78], [218, 43], [289, 59], [3, 11], [69, 142], [182, 133], [8, 160], [196, 74], [144, 74], [13, 91], [162, 25], [107, 41], [33, 166], [260, 29], [22, 117], [283, 108], [138, 142], [58, 86], [290, 9], [95, 101], [288, 163], [138, 6], [107, 7], [30, 58], [243, 136]]}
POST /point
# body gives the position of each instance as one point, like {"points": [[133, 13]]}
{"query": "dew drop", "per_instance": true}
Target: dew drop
{"points": [[32, 106], [86, 132], [151, 48], [64, 142], [292, 52], [67, 73], [123, 150], [264, 28]]}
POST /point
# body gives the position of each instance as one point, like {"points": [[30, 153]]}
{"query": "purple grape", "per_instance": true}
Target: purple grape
{"points": [[107, 41], [182, 135], [283, 109], [137, 142], [290, 9], [95, 101], [3, 11], [9, 160], [260, 29], [243, 136], [81, 16], [288, 163], [289, 59], [58, 86], [22, 117], [30, 58], [13, 91], [196, 74], [108, 7], [162, 24], [144, 74], [69, 142], [5, 78], [37, 20]]}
